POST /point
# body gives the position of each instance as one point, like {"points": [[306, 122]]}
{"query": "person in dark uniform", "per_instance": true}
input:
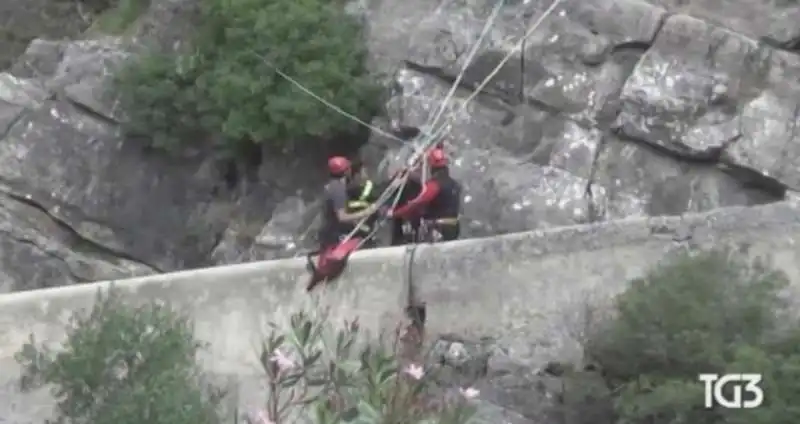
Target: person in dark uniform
{"points": [[337, 220], [438, 203], [361, 193], [335, 246]]}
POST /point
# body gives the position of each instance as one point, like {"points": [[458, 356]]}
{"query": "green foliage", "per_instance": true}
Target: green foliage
{"points": [[328, 376], [123, 365], [708, 312], [161, 100], [228, 85]]}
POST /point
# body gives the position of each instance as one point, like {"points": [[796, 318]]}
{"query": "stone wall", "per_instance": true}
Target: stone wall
{"points": [[533, 292]]}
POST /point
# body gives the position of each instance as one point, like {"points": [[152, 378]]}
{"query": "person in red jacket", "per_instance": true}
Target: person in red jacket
{"points": [[438, 203]]}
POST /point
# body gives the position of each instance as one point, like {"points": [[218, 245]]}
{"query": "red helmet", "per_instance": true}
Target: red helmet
{"points": [[437, 158], [338, 166]]}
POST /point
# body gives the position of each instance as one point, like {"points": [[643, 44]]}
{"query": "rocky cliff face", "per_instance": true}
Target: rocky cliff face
{"points": [[81, 204], [613, 108]]}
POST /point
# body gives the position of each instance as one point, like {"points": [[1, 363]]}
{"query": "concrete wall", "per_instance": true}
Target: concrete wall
{"points": [[231, 305], [531, 290], [536, 291]]}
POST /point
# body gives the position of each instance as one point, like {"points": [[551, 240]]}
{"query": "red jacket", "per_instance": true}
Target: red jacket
{"points": [[428, 193]]}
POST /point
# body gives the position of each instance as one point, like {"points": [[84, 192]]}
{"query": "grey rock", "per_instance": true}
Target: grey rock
{"points": [[25, 21], [285, 234], [113, 208], [600, 116], [457, 362], [614, 108], [669, 100], [753, 18], [39, 60], [281, 230], [510, 391], [638, 180]]}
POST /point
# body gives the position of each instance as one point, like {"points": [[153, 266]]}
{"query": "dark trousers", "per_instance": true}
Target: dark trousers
{"points": [[449, 232], [328, 238], [433, 232]]}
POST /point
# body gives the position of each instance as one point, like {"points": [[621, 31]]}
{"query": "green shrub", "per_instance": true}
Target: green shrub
{"points": [[708, 312], [131, 365], [161, 100], [227, 87], [124, 365], [331, 377]]}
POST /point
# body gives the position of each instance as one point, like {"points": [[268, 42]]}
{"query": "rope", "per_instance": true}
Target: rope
{"points": [[327, 103], [433, 136], [518, 45], [420, 152], [430, 137], [414, 311], [470, 57], [378, 226], [435, 115]]}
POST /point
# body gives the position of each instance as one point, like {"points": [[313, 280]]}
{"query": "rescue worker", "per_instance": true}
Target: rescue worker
{"points": [[361, 193], [337, 220], [438, 203], [404, 230]]}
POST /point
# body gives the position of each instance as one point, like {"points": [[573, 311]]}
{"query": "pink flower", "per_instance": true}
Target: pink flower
{"points": [[414, 371], [469, 392], [284, 362]]}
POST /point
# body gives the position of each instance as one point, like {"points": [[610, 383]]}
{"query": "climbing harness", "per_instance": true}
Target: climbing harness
{"points": [[333, 260]]}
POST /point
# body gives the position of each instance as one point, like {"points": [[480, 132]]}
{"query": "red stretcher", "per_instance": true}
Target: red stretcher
{"points": [[330, 262]]}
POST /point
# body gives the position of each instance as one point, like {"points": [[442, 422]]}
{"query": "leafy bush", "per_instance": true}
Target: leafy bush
{"points": [[124, 365], [162, 101], [228, 85], [708, 312], [130, 365], [333, 379]]}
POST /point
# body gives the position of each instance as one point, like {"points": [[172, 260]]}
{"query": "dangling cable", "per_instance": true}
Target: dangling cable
{"points": [[420, 151], [429, 137], [517, 46], [327, 103], [434, 118]]}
